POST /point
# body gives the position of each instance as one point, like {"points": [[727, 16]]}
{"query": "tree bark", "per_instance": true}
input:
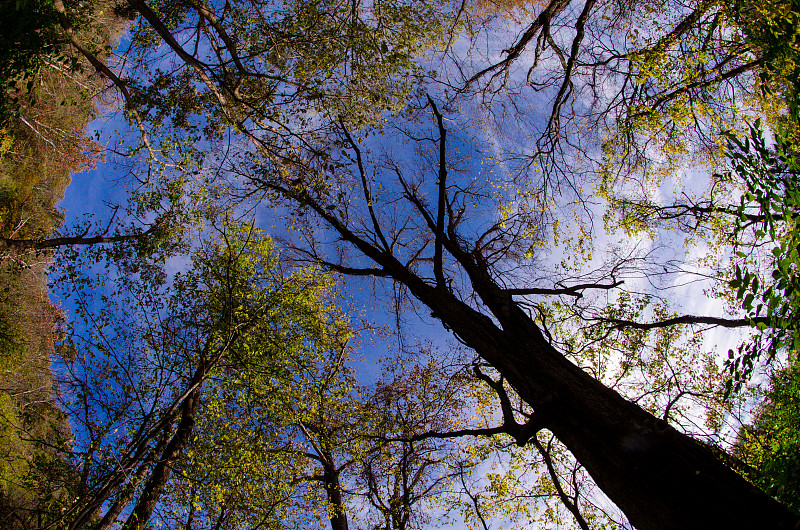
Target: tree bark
{"points": [[661, 479], [333, 489]]}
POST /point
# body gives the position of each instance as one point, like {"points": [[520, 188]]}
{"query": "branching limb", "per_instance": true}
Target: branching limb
{"points": [[548, 13], [575, 290], [562, 495], [689, 319], [365, 187], [677, 32], [472, 497], [488, 431], [522, 433], [553, 124], [41, 244]]}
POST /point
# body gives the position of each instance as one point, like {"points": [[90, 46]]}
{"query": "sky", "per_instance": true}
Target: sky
{"points": [[91, 191]]}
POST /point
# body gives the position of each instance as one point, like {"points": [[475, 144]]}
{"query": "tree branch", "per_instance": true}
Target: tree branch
{"points": [[365, 187], [574, 290], [442, 187], [41, 244], [521, 432], [565, 500], [688, 319], [552, 10]]}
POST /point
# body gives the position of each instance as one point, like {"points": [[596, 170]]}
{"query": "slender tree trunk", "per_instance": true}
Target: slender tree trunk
{"points": [[41, 244], [154, 486], [125, 497]]}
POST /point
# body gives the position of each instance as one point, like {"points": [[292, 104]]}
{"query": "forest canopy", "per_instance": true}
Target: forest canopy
{"points": [[400, 264]]}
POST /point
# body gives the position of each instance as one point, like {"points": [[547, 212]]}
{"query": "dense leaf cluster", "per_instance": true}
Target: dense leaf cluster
{"points": [[770, 175]]}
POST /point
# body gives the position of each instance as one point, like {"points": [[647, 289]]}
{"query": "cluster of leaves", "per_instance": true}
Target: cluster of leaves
{"points": [[30, 38], [770, 175], [770, 443], [34, 432], [45, 104], [38, 152], [245, 461], [772, 28], [516, 10], [282, 65]]}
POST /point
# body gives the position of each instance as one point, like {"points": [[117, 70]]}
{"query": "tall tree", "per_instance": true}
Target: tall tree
{"points": [[320, 448], [446, 264], [461, 243], [138, 386]]}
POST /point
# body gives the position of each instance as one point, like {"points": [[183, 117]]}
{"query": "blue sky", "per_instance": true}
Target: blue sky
{"points": [[508, 144]]}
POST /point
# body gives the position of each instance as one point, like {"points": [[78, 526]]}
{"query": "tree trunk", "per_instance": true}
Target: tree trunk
{"points": [[155, 484], [333, 490], [661, 479], [110, 517]]}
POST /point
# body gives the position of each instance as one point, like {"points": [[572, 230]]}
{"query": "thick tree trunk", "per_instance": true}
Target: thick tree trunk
{"points": [[333, 489], [660, 478]]}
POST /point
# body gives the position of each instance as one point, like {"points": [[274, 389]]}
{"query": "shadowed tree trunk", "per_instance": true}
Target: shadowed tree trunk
{"points": [[660, 478], [333, 489], [154, 486]]}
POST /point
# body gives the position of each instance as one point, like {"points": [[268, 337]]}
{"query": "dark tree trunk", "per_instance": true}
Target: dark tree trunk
{"points": [[110, 517], [660, 478], [56, 242], [154, 486], [333, 490]]}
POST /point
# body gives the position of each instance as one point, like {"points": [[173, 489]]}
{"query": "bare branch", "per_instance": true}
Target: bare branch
{"points": [[689, 319], [565, 500], [552, 10], [575, 290], [442, 187], [376, 226]]}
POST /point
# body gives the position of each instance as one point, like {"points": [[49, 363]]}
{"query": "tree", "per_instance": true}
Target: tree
{"points": [[408, 477], [319, 448], [769, 442], [434, 229], [269, 449], [622, 446], [142, 369]]}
